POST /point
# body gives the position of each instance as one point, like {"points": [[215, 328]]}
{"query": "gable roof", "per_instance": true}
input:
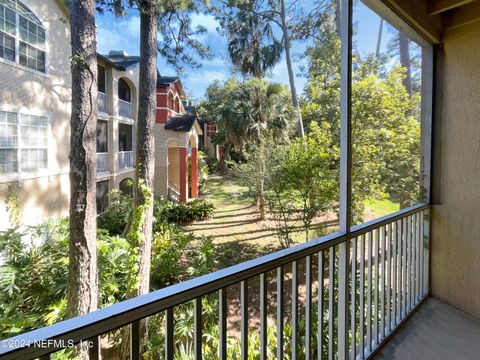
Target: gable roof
{"points": [[165, 81], [118, 61], [181, 123]]}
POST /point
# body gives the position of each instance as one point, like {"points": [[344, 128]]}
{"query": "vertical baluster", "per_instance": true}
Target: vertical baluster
{"points": [[399, 270], [362, 297], [198, 328], [222, 326], [383, 238], [405, 268], [418, 261], [294, 310], [342, 333], [426, 250], [263, 316], [408, 284], [389, 276], [244, 318], [134, 340], [169, 344], [331, 315], [422, 254], [94, 348], [280, 313], [394, 272], [369, 292], [320, 307], [353, 301], [376, 277], [308, 308], [413, 231]]}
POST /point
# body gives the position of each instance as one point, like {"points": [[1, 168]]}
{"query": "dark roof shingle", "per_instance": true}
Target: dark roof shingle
{"points": [[167, 80], [120, 62], [182, 123]]}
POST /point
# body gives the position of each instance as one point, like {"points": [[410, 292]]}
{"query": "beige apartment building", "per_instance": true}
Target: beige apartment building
{"points": [[35, 102], [35, 106]]}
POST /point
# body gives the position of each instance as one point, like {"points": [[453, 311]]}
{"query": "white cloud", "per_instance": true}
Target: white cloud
{"points": [[118, 34], [207, 21], [205, 77]]}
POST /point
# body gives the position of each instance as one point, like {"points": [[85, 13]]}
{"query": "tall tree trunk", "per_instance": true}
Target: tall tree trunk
{"points": [[82, 277], [405, 61], [140, 234], [291, 76], [145, 139]]}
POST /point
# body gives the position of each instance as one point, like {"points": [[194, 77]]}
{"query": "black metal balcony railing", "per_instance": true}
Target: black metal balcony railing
{"points": [[367, 282]]}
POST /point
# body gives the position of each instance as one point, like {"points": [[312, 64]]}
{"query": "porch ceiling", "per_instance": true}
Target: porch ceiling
{"points": [[433, 18]]}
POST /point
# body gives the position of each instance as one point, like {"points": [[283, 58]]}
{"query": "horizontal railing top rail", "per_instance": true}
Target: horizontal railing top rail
{"points": [[127, 312]]}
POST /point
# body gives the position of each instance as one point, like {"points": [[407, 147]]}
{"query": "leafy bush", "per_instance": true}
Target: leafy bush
{"points": [[34, 277], [203, 172], [33, 280], [180, 213], [213, 164], [118, 213], [168, 248]]}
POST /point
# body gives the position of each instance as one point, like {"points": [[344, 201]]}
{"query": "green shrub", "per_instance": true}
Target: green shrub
{"points": [[168, 249], [34, 277], [180, 213], [118, 213], [212, 164]]}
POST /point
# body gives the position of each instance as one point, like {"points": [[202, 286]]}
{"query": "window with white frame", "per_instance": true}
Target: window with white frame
{"points": [[23, 142], [22, 37]]}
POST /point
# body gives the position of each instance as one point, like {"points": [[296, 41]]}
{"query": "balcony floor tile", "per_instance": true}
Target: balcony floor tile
{"points": [[436, 331]]}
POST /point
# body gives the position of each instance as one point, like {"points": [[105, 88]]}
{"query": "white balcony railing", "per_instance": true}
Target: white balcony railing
{"points": [[102, 162], [125, 109], [102, 102], [369, 281], [125, 159]]}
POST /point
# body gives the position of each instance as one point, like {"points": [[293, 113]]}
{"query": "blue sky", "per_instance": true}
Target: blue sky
{"points": [[122, 33]]}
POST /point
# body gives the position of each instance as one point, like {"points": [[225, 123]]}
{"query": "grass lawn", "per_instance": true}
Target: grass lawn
{"points": [[236, 227], [235, 223], [378, 208]]}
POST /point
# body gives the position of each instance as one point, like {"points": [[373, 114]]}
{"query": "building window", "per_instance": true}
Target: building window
{"points": [[102, 136], [124, 92], [20, 29], [23, 142], [177, 104], [170, 101], [101, 79], [211, 129], [7, 47], [102, 196]]}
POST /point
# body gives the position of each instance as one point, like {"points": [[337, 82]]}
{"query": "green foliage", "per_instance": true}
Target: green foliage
{"points": [[203, 172], [118, 214], [213, 164], [300, 177], [385, 126], [33, 279], [181, 213], [252, 44], [247, 110]]}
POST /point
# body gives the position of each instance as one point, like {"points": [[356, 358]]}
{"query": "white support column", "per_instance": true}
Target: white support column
{"points": [[346, 7]]}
